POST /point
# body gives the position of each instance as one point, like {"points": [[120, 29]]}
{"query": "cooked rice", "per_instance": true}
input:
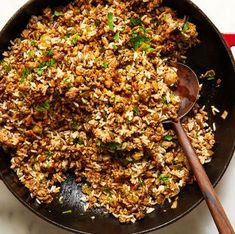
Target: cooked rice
{"points": [[85, 89], [224, 114]]}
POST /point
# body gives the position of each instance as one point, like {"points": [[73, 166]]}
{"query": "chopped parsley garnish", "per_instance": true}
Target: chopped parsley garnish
{"points": [[48, 153], [164, 100], [39, 70], [110, 20], [168, 137], [57, 13], [77, 140], [164, 178], [211, 78], [113, 146], [185, 26], [67, 212], [24, 74], [114, 47], [45, 106], [148, 48], [6, 66], [143, 30], [50, 52], [136, 110], [137, 40], [116, 36], [74, 39], [50, 63], [104, 65], [33, 43], [74, 125], [135, 21], [67, 83], [30, 53]]}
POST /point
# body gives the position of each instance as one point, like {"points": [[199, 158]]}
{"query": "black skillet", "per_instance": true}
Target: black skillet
{"points": [[212, 53]]}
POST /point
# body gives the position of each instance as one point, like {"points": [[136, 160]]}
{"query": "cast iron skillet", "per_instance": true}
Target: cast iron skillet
{"points": [[212, 53]]}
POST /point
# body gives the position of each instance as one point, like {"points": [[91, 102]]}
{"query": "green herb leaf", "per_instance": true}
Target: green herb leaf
{"points": [[136, 110], [185, 26], [110, 20], [211, 78], [67, 212], [48, 153], [24, 74], [39, 71], [148, 48], [50, 52], [104, 65], [45, 106], [135, 21], [164, 100], [143, 30], [30, 53], [74, 39], [57, 13], [74, 125], [114, 47], [164, 178], [168, 137], [116, 36], [137, 40], [113, 146], [33, 43], [6, 66], [50, 63], [77, 140]]}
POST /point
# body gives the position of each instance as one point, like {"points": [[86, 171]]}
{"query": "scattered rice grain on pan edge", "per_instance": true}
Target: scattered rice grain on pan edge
{"points": [[85, 89]]}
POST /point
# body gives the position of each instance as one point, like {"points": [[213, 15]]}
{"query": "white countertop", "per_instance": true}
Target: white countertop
{"points": [[16, 219]]}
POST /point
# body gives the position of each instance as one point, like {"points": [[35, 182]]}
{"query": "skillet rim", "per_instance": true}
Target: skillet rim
{"points": [[232, 60]]}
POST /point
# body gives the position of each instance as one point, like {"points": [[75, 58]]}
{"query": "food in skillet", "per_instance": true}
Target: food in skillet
{"points": [[85, 89]]}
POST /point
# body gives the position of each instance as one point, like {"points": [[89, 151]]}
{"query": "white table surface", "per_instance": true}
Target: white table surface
{"points": [[16, 219]]}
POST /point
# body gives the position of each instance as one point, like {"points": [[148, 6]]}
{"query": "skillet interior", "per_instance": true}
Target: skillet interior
{"points": [[210, 54]]}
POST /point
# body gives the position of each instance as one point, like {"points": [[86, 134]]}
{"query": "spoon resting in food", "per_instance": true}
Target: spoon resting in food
{"points": [[188, 91]]}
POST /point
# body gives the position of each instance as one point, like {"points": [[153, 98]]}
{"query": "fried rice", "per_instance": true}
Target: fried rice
{"points": [[86, 89]]}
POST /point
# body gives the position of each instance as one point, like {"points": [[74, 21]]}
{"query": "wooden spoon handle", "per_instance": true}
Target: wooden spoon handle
{"points": [[220, 218]]}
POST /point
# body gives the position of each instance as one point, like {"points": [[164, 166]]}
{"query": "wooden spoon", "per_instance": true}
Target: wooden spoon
{"points": [[188, 90]]}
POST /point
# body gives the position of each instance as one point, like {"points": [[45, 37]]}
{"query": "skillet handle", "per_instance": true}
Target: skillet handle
{"points": [[221, 220], [229, 38]]}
